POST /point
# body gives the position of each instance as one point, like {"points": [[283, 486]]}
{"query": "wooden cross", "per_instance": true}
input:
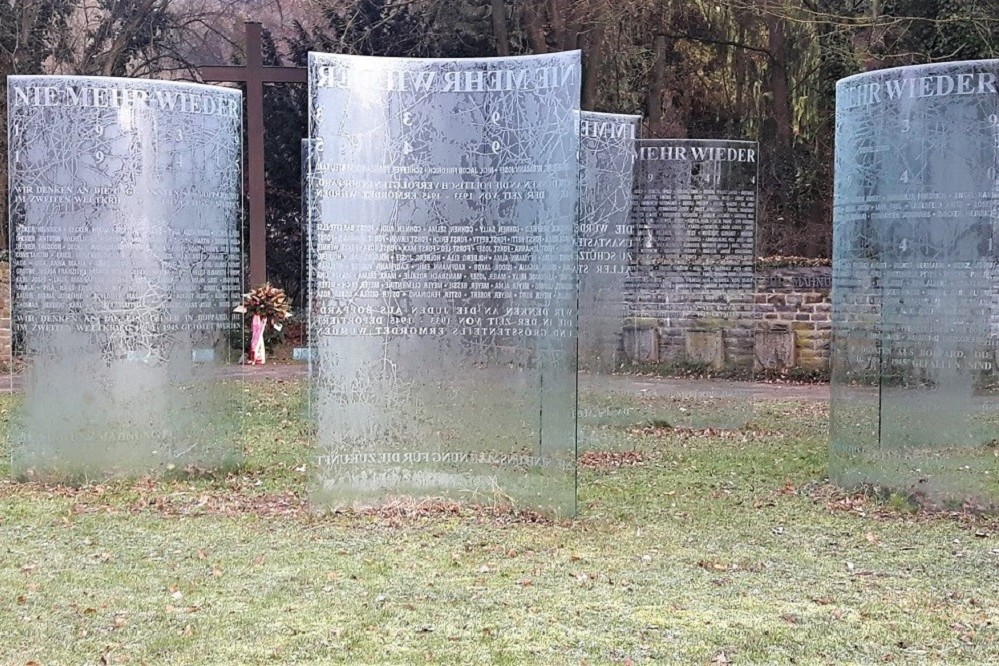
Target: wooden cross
{"points": [[255, 75]]}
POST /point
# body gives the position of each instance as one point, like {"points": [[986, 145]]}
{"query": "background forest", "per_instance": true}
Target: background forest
{"points": [[753, 69]]}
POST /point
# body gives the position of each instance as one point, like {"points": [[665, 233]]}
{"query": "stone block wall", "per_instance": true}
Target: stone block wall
{"points": [[721, 338], [788, 326], [798, 300], [685, 311]]}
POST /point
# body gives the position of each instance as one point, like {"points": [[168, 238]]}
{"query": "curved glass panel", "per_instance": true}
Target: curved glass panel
{"points": [[443, 306], [607, 169], [914, 283], [125, 211]]}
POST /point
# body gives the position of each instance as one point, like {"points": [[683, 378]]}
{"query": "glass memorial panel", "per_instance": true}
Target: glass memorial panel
{"points": [[607, 166], [304, 353], [692, 281], [125, 199], [443, 306], [914, 403]]}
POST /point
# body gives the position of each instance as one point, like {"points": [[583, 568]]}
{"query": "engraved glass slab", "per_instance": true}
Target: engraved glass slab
{"points": [[607, 166], [125, 201], [692, 281], [914, 405], [308, 248], [443, 305]]}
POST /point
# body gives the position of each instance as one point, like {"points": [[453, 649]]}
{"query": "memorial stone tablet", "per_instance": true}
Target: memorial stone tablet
{"points": [[691, 284], [125, 203], [914, 406], [443, 305]]}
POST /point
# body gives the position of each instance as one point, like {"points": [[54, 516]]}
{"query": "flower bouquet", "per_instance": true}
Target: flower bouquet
{"points": [[268, 306]]}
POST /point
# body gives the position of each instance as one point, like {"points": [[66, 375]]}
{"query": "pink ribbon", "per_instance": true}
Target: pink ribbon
{"points": [[258, 355]]}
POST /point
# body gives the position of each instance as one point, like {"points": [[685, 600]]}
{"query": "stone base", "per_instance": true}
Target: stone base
{"points": [[774, 349], [641, 340], [706, 347]]}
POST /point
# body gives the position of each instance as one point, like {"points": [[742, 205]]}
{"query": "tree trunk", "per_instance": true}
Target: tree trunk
{"points": [[500, 32], [534, 28], [777, 135], [591, 43], [590, 40], [557, 16], [114, 62], [657, 86], [782, 131]]}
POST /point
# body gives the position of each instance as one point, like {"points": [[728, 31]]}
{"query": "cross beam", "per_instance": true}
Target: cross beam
{"points": [[254, 75]]}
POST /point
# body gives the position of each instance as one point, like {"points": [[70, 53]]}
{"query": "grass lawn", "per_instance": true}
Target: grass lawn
{"points": [[690, 547]]}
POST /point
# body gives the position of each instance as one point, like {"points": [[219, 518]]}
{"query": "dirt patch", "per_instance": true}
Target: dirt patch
{"points": [[611, 459], [665, 430], [179, 500], [400, 510], [216, 503], [880, 505]]}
